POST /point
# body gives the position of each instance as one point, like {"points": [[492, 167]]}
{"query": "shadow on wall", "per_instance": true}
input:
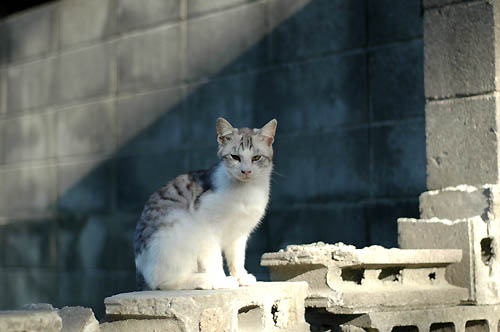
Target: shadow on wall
{"points": [[333, 179]]}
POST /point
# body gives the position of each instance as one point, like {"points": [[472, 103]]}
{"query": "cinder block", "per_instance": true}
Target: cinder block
{"points": [[333, 88], [86, 129], [219, 44], [150, 60], [139, 176], [30, 321], [133, 14], [200, 7], [342, 172], [152, 122], [461, 202], [391, 21], [452, 318], [78, 319], [28, 138], [28, 35], [29, 192], [346, 280], [462, 142], [263, 307], [398, 157], [85, 187], [397, 80], [460, 50], [29, 244], [76, 284], [479, 269], [85, 73], [84, 21], [297, 24], [149, 325], [31, 85]]}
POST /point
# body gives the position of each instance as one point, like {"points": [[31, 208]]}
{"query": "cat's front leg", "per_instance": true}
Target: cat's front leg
{"points": [[210, 264], [235, 257]]}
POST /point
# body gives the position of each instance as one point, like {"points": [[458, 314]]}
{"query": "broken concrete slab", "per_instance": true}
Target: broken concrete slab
{"points": [[462, 201], [30, 321], [461, 318], [78, 319], [267, 306], [479, 270], [346, 280]]}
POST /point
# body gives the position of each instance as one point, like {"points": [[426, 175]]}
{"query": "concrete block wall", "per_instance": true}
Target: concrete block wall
{"points": [[103, 101]]}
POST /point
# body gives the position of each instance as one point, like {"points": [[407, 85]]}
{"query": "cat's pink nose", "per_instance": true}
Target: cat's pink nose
{"points": [[246, 172]]}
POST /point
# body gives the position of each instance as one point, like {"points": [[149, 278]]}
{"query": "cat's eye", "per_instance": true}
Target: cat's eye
{"points": [[256, 158], [235, 157]]}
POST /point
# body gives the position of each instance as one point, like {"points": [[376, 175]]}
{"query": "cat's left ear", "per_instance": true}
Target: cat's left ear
{"points": [[268, 131], [224, 129]]}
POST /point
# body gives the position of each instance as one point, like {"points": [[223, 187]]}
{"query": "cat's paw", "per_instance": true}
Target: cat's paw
{"points": [[225, 282], [246, 279]]}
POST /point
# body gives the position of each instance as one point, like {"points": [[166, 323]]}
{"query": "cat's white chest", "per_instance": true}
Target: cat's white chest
{"points": [[240, 208]]}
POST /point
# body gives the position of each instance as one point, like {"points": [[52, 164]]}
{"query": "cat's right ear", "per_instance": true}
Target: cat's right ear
{"points": [[224, 130]]}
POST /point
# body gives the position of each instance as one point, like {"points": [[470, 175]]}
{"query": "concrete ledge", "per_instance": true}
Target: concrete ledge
{"points": [[347, 280], [264, 307], [30, 321]]}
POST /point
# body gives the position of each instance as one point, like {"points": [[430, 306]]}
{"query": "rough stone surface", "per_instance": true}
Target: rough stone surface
{"points": [[78, 319], [459, 50], [30, 321], [461, 202], [462, 141], [461, 318], [479, 270], [343, 279], [263, 307]]}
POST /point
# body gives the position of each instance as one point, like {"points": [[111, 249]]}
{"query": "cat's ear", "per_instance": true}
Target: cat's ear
{"points": [[268, 131], [224, 129]]}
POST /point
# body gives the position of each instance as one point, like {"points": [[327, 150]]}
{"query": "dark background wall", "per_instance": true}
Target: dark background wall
{"points": [[103, 101]]}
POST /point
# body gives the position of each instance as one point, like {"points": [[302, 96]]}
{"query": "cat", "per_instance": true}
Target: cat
{"points": [[187, 224]]}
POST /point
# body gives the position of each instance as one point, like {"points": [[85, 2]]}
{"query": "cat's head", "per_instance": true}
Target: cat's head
{"points": [[246, 153]]}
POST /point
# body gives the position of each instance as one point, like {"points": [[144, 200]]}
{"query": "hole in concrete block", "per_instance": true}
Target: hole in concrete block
{"points": [[442, 327], [487, 250], [250, 319], [408, 328], [432, 276], [391, 274], [353, 275], [477, 326]]}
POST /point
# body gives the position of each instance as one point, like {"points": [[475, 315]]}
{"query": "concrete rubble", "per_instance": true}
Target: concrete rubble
{"points": [[264, 307], [460, 318], [30, 321], [346, 280], [43, 317]]}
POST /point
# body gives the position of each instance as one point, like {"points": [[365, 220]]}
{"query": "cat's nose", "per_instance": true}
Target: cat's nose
{"points": [[246, 172]]}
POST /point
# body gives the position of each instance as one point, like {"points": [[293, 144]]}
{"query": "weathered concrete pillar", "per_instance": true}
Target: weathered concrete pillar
{"points": [[461, 71], [461, 67]]}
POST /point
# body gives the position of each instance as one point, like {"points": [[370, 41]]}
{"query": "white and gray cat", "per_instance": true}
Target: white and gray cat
{"points": [[187, 225]]}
